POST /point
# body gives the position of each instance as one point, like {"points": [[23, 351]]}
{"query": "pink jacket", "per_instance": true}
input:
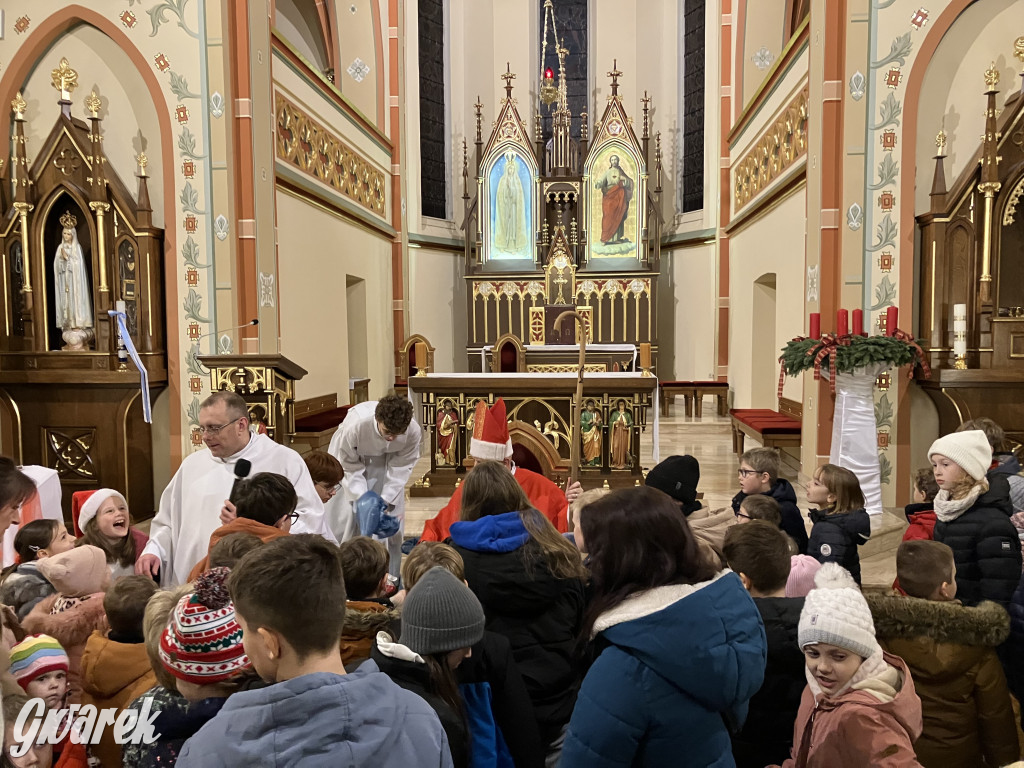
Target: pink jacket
{"points": [[857, 729]]}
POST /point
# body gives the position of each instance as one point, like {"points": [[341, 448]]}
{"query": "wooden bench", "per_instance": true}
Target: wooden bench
{"points": [[693, 393], [773, 429], [316, 420]]}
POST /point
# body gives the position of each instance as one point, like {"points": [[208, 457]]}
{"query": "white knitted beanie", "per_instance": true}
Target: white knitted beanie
{"points": [[971, 450], [835, 612]]}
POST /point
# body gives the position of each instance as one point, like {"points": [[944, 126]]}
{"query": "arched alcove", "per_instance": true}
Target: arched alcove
{"points": [[952, 91], [130, 123], [299, 24], [763, 349]]}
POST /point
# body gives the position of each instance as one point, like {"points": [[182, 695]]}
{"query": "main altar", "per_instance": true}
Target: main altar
{"points": [[569, 222], [561, 224]]}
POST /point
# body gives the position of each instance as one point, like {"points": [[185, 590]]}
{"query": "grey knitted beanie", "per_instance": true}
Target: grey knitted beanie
{"points": [[441, 614]]}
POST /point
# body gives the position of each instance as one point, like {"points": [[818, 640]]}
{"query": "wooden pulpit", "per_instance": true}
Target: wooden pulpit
{"points": [[266, 383]]}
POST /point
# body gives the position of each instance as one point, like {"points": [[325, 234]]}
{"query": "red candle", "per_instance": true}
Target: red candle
{"points": [[842, 323], [815, 330], [890, 320], [858, 322]]}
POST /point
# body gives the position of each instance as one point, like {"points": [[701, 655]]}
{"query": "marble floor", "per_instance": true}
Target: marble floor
{"points": [[709, 440]]}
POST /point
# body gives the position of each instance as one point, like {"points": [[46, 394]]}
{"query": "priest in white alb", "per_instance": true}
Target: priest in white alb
{"points": [[190, 506]]}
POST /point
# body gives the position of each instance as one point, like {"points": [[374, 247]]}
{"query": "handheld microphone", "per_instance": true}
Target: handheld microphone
{"points": [[242, 469], [254, 321]]}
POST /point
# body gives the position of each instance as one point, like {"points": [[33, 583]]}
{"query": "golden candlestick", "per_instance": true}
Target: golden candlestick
{"points": [[960, 363]]}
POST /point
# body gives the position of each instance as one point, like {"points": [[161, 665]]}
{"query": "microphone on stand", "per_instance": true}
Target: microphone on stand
{"points": [[242, 469], [254, 321]]}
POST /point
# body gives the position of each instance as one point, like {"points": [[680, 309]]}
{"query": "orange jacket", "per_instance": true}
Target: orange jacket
{"points": [[238, 525], [542, 493], [113, 676]]}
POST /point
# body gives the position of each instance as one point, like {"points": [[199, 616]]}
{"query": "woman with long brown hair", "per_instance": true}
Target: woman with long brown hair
{"points": [[530, 581], [680, 647]]}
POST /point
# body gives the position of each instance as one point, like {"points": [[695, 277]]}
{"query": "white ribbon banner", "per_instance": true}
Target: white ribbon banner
{"points": [[126, 340]]}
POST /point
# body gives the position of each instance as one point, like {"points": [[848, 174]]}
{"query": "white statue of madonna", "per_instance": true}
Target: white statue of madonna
{"points": [[71, 288]]}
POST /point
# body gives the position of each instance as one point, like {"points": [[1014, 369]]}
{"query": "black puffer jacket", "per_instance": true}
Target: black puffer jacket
{"points": [[835, 538], [767, 735], [986, 548], [539, 613], [792, 521]]}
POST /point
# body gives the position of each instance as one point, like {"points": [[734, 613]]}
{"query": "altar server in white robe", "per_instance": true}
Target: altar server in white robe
{"points": [[378, 444], [191, 505]]}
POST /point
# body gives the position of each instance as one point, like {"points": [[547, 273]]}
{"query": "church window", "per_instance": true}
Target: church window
{"points": [[433, 143], [691, 174], [571, 19]]}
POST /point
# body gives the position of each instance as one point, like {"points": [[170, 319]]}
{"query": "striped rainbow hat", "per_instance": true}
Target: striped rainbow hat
{"points": [[35, 656]]}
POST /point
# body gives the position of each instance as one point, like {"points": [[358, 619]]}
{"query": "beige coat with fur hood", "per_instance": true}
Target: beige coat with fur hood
{"points": [[950, 650], [81, 576]]}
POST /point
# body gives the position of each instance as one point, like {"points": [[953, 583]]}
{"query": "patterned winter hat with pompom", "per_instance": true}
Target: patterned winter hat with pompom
{"points": [[202, 643], [835, 612]]}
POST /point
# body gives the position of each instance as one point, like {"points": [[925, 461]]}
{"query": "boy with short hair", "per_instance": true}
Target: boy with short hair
{"points": [[759, 507], [115, 665], [950, 650], [265, 506], [288, 597], [759, 474], [326, 473], [759, 552], [364, 562], [232, 548]]}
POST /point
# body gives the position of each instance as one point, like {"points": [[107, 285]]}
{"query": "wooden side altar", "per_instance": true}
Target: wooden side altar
{"points": [[76, 243], [539, 411], [972, 242]]}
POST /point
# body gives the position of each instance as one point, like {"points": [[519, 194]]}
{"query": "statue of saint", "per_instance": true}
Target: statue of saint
{"points": [[447, 432], [71, 288], [590, 429], [616, 192], [510, 212], [622, 431]]}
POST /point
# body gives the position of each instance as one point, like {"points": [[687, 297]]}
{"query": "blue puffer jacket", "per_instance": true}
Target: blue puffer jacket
{"points": [[679, 666], [359, 719]]}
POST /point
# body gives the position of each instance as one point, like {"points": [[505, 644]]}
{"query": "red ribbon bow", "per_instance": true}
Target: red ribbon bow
{"points": [[828, 348], [918, 353]]}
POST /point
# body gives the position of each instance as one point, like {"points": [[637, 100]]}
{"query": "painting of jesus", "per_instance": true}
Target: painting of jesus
{"points": [[614, 204]]}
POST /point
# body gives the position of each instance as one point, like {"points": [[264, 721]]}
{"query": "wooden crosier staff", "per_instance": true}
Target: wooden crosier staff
{"points": [[577, 413]]}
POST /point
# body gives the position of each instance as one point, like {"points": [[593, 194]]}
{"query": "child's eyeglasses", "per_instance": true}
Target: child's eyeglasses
{"points": [[745, 517], [747, 472]]}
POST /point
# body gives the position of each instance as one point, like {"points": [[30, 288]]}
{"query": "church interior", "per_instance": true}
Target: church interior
{"points": [[649, 229], [313, 202]]}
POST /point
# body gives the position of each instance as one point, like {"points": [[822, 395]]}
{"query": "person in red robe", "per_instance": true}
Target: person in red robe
{"points": [[491, 441]]}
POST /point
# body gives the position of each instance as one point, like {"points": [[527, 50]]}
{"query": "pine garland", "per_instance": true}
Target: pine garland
{"points": [[848, 353]]}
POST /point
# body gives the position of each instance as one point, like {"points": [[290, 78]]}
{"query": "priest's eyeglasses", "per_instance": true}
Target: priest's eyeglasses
{"points": [[214, 430]]}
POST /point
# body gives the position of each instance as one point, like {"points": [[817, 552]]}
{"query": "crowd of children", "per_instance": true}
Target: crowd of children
{"points": [[655, 633]]}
